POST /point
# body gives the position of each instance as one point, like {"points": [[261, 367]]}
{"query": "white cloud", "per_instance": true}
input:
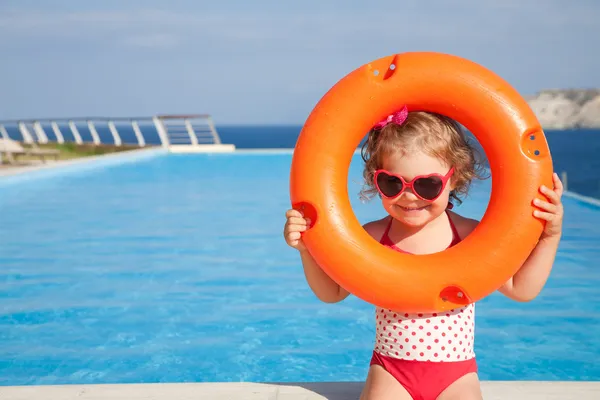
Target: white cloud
{"points": [[226, 25], [403, 24], [155, 40]]}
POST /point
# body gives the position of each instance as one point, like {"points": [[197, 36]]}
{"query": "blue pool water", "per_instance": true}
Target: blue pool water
{"points": [[173, 269]]}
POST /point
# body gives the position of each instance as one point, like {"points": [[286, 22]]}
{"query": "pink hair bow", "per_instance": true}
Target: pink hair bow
{"points": [[397, 118]]}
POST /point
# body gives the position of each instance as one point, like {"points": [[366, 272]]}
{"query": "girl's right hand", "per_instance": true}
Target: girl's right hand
{"points": [[295, 224]]}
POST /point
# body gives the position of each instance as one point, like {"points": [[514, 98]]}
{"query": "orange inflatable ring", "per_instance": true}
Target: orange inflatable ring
{"points": [[486, 105]]}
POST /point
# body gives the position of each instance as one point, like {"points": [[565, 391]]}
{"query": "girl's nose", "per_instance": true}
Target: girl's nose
{"points": [[408, 194]]}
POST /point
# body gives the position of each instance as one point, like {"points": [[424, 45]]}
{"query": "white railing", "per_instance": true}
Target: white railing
{"points": [[180, 133]]}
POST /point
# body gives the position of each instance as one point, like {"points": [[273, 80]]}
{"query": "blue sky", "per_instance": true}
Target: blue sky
{"points": [[263, 61]]}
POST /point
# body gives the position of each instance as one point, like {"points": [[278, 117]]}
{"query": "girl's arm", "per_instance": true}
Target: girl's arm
{"points": [[325, 288], [528, 282]]}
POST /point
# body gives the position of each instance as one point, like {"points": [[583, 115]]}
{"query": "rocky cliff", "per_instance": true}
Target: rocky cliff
{"points": [[567, 109]]}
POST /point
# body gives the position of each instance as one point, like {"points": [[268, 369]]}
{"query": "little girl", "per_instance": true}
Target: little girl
{"points": [[420, 163]]}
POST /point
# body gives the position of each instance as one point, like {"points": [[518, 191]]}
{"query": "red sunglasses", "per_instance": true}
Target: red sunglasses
{"points": [[425, 187]]}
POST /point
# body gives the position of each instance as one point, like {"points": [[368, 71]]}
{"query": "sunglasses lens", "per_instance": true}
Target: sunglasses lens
{"points": [[388, 185], [428, 188]]}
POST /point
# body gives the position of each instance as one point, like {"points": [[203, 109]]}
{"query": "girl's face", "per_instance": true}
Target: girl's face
{"points": [[414, 207]]}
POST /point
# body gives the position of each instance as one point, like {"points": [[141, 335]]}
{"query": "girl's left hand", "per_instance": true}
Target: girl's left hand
{"points": [[551, 212]]}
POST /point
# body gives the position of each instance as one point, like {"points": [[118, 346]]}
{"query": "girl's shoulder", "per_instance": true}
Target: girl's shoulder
{"points": [[377, 228], [464, 226]]}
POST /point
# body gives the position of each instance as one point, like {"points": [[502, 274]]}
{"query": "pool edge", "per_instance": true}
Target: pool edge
{"points": [[583, 199], [492, 390]]}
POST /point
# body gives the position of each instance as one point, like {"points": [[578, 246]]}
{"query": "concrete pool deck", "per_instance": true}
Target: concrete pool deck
{"points": [[492, 390]]}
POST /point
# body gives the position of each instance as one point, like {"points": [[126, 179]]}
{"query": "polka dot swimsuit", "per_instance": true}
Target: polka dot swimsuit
{"points": [[426, 337], [445, 336]]}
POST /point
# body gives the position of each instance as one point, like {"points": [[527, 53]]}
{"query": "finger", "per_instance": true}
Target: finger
{"points": [[294, 236], [550, 194], [297, 221], [297, 228], [558, 185], [546, 216], [293, 213], [544, 205]]}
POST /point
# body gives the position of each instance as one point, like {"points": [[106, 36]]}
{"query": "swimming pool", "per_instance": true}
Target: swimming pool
{"points": [[173, 269]]}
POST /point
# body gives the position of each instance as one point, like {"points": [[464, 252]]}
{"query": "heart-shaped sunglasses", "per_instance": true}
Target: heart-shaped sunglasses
{"points": [[426, 187]]}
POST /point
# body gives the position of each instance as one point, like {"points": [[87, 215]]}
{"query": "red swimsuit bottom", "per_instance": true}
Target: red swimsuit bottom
{"points": [[424, 380]]}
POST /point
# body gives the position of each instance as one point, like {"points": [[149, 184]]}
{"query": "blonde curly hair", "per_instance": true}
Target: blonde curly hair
{"points": [[434, 134]]}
